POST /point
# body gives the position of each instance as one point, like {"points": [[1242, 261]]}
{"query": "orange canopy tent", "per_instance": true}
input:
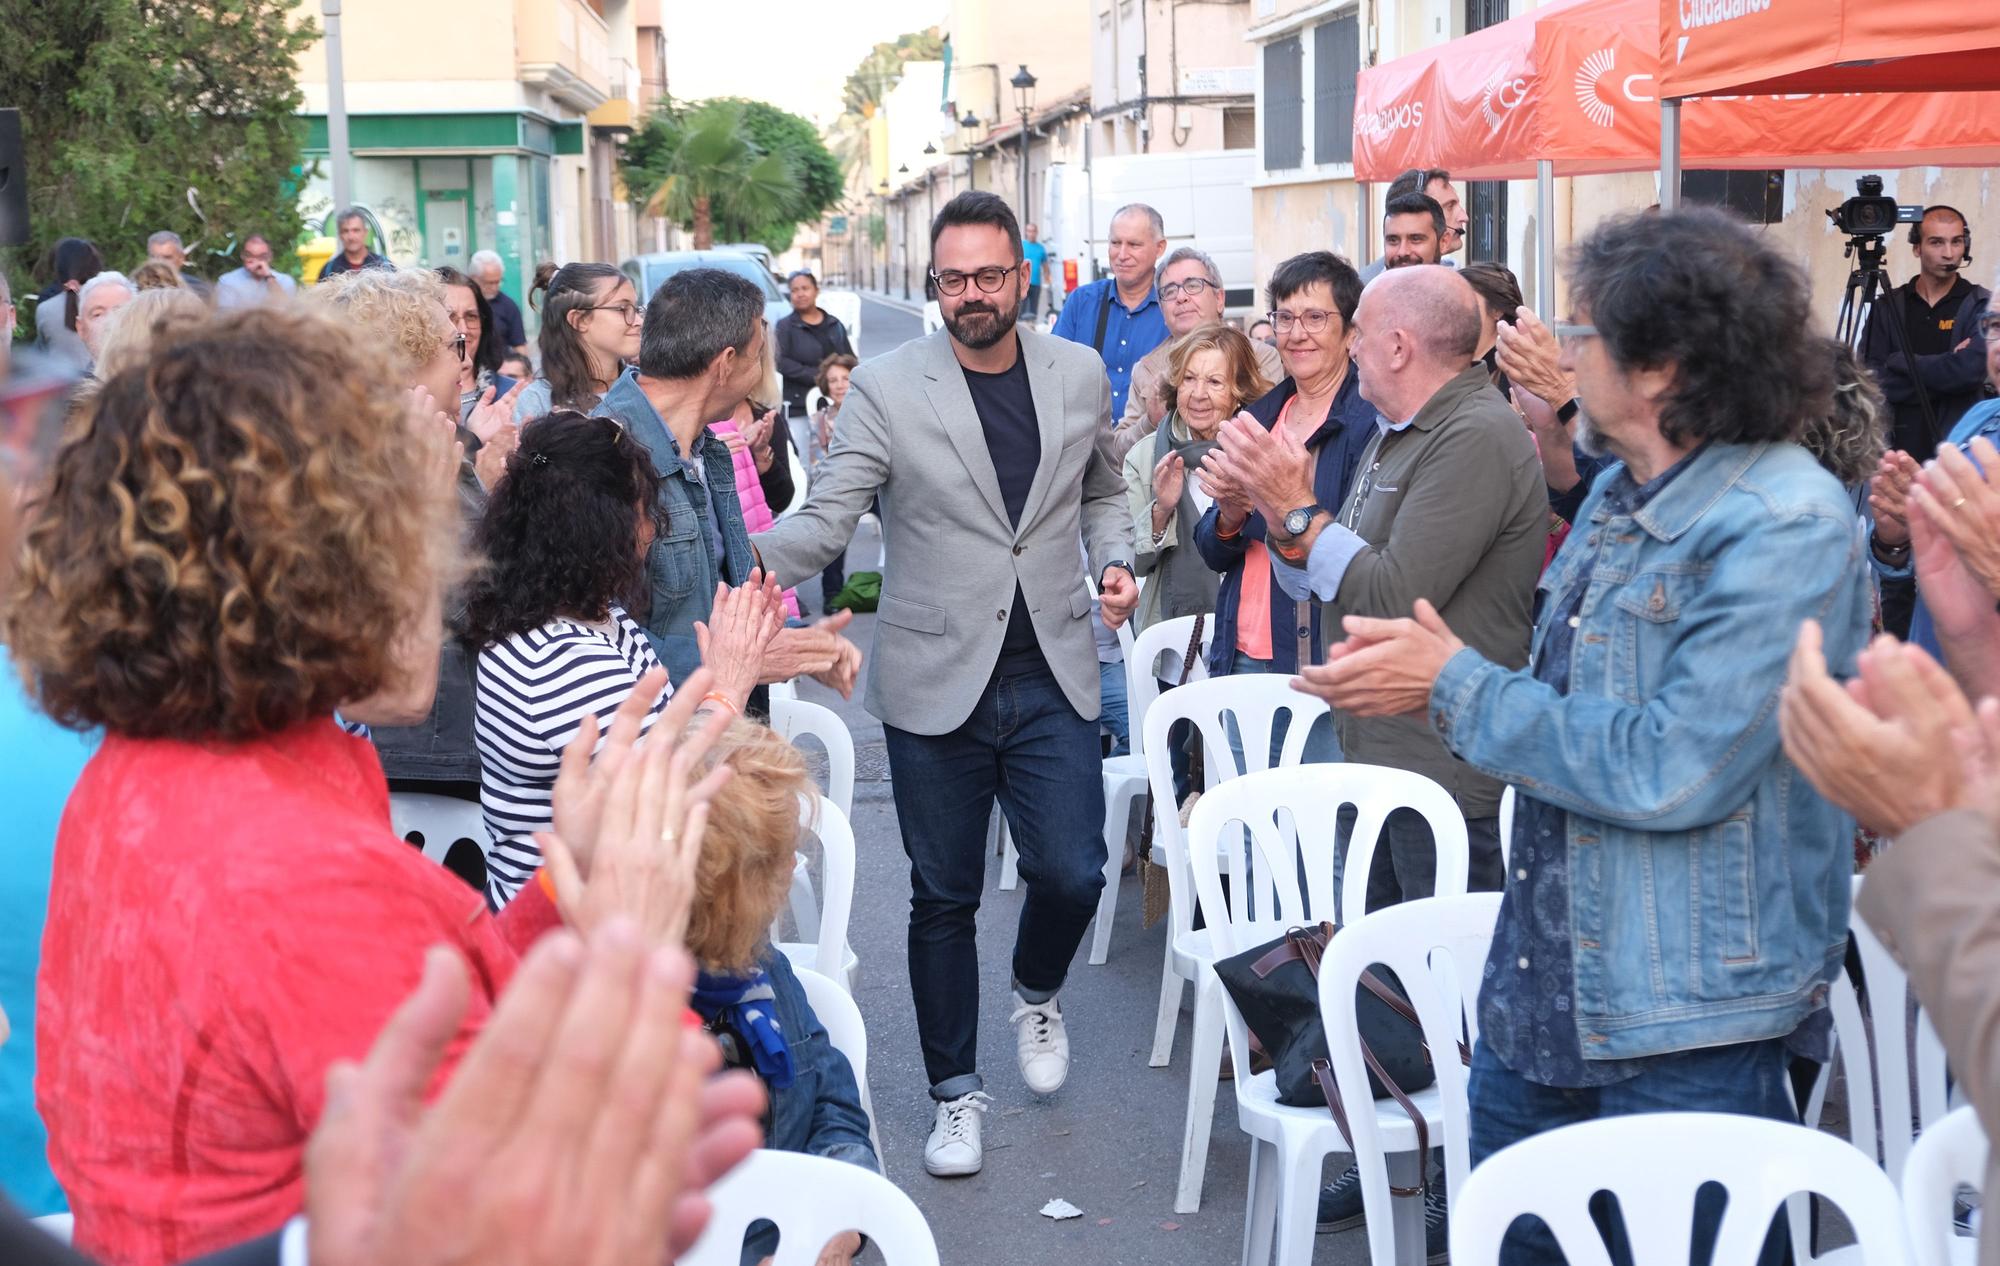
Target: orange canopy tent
{"points": [[1893, 50]]}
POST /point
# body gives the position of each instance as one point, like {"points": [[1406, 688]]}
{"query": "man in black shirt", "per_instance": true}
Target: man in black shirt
{"points": [[1940, 311], [354, 253], [488, 272], [804, 339]]}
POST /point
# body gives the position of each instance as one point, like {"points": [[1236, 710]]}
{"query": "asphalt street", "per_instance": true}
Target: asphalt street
{"points": [[1109, 1141]]}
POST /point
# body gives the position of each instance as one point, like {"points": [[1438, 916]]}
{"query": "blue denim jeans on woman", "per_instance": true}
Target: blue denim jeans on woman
{"points": [[1025, 744]]}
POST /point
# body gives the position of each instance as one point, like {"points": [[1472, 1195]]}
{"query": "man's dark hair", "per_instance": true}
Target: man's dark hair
{"points": [[257, 237], [692, 317], [561, 529], [1697, 290], [1318, 268], [976, 206], [1416, 204], [1416, 180]]}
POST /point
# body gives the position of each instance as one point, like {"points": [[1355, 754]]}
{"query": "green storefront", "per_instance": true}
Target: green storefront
{"points": [[443, 186]]}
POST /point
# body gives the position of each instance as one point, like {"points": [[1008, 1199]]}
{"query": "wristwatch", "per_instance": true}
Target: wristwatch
{"points": [[1121, 565], [1297, 521], [1568, 411]]}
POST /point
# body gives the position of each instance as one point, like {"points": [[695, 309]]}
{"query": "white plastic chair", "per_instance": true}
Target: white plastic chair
{"points": [[1437, 948], [828, 954], [1291, 818], [1946, 1156], [1506, 827], [793, 718], [1654, 1164], [57, 1226], [1255, 702], [811, 1199], [841, 1018], [435, 823]]}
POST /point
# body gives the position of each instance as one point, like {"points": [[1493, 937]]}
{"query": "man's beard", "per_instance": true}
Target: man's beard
{"points": [[979, 324], [1587, 437], [1406, 261]]}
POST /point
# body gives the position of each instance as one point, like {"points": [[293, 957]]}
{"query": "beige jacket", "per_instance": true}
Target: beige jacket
{"points": [[1934, 900]]}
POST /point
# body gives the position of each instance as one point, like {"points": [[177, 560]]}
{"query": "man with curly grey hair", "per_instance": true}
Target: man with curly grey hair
{"points": [[1677, 896]]}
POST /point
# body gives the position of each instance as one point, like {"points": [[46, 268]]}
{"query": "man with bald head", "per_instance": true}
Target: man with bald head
{"points": [[1446, 505]]}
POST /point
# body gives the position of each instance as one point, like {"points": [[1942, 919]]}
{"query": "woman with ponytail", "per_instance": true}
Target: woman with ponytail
{"points": [[590, 328], [71, 262]]}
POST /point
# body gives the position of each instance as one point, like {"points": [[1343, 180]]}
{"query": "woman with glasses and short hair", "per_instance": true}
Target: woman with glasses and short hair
{"points": [[591, 317]]}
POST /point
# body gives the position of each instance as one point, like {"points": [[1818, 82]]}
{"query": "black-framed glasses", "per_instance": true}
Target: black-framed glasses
{"points": [[988, 280], [458, 345], [1313, 319], [1193, 288], [633, 313]]}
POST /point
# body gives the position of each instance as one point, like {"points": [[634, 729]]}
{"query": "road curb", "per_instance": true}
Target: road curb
{"points": [[891, 301]]}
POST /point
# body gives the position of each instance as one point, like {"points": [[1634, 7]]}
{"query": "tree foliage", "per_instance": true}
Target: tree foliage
{"points": [[157, 114], [731, 170], [869, 84]]}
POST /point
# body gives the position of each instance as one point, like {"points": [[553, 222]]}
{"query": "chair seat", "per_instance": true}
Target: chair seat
{"points": [[1124, 767], [1261, 1115], [1193, 949]]}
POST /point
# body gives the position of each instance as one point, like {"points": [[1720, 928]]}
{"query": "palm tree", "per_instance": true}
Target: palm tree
{"points": [[698, 166]]}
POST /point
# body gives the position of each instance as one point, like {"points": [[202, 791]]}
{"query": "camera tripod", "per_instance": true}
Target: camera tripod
{"points": [[1867, 285]]}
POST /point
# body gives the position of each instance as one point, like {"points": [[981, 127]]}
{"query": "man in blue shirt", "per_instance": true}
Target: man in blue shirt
{"points": [[1120, 316], [1036, 256]]}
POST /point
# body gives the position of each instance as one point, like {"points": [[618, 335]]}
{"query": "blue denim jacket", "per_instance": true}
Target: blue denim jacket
{"points": [[1709, 893], [681, 570], [820, 1113]]}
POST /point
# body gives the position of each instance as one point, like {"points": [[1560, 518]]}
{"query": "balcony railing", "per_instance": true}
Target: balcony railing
{"points": [[565, 50]]}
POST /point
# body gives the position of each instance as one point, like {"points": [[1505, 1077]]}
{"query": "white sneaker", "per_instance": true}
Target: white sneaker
{"points": [[954, 1148], [1041, 1043]]}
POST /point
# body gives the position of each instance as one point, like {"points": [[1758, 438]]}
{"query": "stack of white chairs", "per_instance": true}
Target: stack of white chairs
{"points": [[810, 1199], [1254, 703], [828, 953], [1289, 816]]}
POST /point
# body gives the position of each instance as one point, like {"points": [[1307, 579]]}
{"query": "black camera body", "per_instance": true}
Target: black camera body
{"points": [[1870, 213]]}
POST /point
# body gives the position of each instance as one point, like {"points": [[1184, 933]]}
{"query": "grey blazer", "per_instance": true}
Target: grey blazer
{"points": [[908, 431]]}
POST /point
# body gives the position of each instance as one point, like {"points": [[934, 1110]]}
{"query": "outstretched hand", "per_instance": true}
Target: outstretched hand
{"points": [[1384, 667]]}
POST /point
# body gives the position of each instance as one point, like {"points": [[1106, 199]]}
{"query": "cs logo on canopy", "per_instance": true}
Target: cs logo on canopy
{"points": [[1590, 77]]}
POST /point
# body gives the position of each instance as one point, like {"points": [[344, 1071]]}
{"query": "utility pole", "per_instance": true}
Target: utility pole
{"points": [[337, 155]]}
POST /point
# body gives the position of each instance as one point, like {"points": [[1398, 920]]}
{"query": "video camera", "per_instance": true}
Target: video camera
{"points": [[1870, 213]]}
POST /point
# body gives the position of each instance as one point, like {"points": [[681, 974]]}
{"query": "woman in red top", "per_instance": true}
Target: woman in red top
{"points": [[241, 536]]}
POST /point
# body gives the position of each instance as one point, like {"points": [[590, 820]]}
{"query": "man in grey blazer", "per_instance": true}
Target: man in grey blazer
{"points": [[988, 445]]}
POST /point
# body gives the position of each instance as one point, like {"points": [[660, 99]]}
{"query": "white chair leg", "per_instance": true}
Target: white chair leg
{"points": [[1204, 1065], [1010, 861], [1170, 1009], [1260, 1205], [805, 903], [1297, 1217], [1117, 809]]}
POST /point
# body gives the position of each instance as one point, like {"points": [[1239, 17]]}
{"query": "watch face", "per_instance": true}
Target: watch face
{"points": [[1297, 522]]}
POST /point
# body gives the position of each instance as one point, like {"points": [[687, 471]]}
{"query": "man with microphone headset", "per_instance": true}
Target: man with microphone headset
{"points": [[1940, 311]]}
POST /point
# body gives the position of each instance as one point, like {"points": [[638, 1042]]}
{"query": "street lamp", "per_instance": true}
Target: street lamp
{"points": [[1024, 101]]}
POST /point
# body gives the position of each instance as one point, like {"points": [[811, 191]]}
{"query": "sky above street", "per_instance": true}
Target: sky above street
{"points": [[792, 53]]}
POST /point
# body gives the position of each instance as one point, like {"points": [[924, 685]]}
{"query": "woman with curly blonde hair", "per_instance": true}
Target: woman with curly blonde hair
{"points": [[746, 992], [240, 535]]}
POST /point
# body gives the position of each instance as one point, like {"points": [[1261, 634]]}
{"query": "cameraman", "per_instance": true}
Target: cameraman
{"points": [[1940, 311]]}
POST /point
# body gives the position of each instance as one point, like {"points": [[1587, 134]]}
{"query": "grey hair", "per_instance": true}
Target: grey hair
{"points": [[109, 277], [1182, 254], [1140, 208], [481, 259], [345, 214], [165, 237]]}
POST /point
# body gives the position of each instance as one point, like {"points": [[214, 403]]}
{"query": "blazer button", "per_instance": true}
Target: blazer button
{"points": [[1000, 616], [1018, 551]]}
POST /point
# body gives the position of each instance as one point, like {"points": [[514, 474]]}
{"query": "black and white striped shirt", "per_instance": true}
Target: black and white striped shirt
{"points": [[535, 688]]}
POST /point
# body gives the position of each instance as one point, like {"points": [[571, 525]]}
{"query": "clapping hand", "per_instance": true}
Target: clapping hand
{"points": [[1528, 353], [489, 417], [1888, 497], [1383, 667], [439, 451], [1272, 468], [490, 462], [1958, 499], [1552, 439], [1169, 477], [741, 623]]}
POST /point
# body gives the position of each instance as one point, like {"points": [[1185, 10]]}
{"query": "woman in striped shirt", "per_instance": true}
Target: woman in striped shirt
{"points": [[564, 538]]}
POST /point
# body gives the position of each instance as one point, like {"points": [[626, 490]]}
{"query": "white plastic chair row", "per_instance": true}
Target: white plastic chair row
{"points": [[1948, 1155], [829, 953], [435, 822], [1290, 816], [841, 1017], [811, 1199], [794, 718]]}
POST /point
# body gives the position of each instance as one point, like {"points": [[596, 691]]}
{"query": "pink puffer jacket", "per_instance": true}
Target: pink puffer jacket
{"points": [[757, 516]]}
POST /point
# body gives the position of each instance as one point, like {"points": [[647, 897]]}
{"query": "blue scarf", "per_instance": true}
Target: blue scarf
{"points": [[749, 1006]]}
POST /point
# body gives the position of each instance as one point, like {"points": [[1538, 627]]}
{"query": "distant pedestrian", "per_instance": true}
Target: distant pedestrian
{"points": [[802, 339], [352, 226], [254, 282], [165, 247], [1120, 317], [1036, 253], [487, 269], [72, 261], [834, 374]]}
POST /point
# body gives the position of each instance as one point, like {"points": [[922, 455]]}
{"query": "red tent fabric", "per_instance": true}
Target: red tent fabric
{"points": [[1785, 46]]}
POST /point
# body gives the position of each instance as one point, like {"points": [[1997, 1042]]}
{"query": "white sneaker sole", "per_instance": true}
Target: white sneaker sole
{"points": [[952, 1169]]}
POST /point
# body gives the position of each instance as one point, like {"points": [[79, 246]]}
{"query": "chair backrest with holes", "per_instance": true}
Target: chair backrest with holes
{"points": [[441, 820], [811, 1199], [1437, 948], [1948, 1155], [1291, 817], [836, 897], [1654, 1163], [794, 717], [1144, 659], [1253, 702]]}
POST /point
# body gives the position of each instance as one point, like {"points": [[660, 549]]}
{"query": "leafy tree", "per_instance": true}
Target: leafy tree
{"points": [[157, 114], [869, 84], [730, 169]]}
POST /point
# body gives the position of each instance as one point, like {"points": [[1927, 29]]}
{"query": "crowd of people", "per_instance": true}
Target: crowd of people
{"points": [[280, 556]]}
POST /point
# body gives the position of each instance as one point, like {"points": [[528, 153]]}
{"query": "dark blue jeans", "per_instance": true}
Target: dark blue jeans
{"points": [[1747, 1078], [1025, 744]]}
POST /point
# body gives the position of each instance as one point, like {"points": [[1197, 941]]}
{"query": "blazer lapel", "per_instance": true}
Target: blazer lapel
{"points": [[952, 399], [1047, 390]]}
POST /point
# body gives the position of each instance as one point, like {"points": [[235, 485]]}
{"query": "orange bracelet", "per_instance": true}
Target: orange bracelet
{"points": [[1227, 536], [723, 699], [548, 885]]}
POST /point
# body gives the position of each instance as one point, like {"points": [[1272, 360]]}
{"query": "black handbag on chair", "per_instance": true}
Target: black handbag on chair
{"points": [[1276, 987]]}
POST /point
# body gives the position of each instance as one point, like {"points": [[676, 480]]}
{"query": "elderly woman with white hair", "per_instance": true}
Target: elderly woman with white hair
{"points": [[96, 300]]}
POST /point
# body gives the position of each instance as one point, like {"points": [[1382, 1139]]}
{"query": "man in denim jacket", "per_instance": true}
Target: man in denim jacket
{"points": [[1677, 895]]}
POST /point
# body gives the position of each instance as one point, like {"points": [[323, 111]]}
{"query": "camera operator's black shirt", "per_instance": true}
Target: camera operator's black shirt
{"points": [[1930, 324]]}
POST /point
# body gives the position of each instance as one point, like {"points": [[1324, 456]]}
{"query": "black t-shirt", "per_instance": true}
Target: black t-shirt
{"points": [[1929, 325], [1006, 408], [338, 264], [507, 320]]}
